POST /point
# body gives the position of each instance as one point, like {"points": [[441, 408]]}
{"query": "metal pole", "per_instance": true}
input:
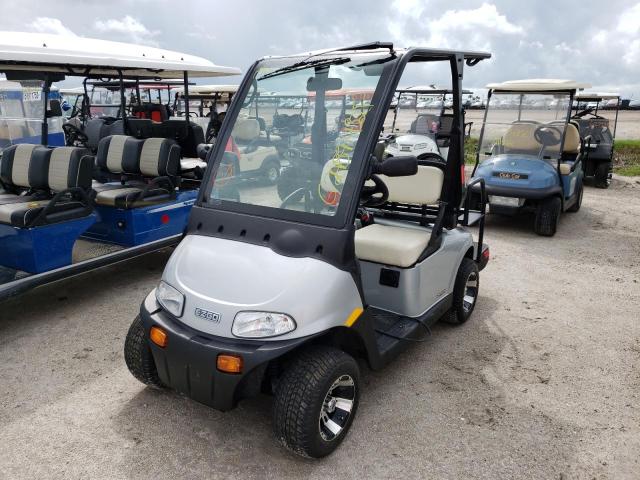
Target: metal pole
{"points": [[44, 137]]}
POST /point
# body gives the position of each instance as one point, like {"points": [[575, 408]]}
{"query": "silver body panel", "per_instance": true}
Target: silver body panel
{"points": [[423, 285], [227, 276]]}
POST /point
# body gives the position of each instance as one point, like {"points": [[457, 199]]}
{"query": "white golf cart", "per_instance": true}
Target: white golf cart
{"points": [[280, 296], [422, 122], [67, 209]]}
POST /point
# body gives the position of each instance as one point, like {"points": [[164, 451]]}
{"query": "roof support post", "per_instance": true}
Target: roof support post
{"points": [[44, 137]]}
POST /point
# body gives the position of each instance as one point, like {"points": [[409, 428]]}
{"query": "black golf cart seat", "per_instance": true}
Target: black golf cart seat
{"points": [[390, 241], [188, 137], [97, 128], [149, 169], [49, 185]]}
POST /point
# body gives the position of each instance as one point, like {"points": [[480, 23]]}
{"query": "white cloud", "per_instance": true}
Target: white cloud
{"points": [[128, 27], [629, 21], [50, 25]]}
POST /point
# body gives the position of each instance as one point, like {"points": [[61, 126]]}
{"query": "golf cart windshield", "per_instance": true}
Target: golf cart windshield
{"points": [[531, 124], [328, 98]]}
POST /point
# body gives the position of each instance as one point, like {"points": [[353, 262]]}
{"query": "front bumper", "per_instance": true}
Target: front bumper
{"points": [[188, 362], [527, 193]]}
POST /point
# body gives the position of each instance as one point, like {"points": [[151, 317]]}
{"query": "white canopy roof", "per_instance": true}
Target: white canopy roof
{"points": [[57, 53], [538, 85], [596, 96], [211, 89]]}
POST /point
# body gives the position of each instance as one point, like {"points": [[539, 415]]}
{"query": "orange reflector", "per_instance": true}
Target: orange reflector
{"points": [[158, 336], [229, 363]]}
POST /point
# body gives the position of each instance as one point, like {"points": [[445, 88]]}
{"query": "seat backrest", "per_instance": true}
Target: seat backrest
{"points": [[424, 124], [423, 188], [520, 137], [41, 168], [571, 140], [246, 130], [139, 127], [151, 157], [25, 166], [187, 138], [93, 131], [69, 167]]}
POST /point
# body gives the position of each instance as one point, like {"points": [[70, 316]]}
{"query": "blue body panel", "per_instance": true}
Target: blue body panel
{"points": [[136, 226], [541, 173], [40, 249]]}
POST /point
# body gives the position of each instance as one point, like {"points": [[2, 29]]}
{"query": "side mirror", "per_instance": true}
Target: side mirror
{"points": [[396, 167]]}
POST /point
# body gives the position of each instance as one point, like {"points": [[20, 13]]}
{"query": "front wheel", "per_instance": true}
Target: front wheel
{"points": [[465, 291], [602, 175], [315, 401], [547, 216], [138, 356]]}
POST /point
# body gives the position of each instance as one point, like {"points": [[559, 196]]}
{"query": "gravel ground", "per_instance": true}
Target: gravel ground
{"points": [[543, 382]]}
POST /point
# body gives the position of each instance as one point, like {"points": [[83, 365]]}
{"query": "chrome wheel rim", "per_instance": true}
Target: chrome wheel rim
{"points": [[470, 292], [272, 174], [336, 408]]}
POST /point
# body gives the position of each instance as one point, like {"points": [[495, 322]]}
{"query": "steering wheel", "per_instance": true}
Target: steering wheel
{"points": [[368, 193], [73, 134], [548, 135]]}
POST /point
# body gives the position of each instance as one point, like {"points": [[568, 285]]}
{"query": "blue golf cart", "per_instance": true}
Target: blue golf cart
{"points": [[116, 188], [529, 153]]}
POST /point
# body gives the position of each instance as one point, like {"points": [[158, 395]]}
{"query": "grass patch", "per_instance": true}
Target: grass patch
{"points": [[626, 158], [470, 147]]}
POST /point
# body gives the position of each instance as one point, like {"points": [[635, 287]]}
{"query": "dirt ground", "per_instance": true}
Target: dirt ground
{"points": [[542, 382]]}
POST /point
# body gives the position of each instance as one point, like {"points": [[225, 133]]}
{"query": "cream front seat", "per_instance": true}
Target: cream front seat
{"points": [[397, 245], [571, 147]]}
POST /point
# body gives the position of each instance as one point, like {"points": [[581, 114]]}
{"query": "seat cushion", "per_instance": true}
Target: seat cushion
{"points": [[127, 197], [23, 213], [390, 245]]}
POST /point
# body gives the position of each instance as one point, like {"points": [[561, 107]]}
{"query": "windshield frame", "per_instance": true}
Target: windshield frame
{"points": [[349, 195], [551, 93]]}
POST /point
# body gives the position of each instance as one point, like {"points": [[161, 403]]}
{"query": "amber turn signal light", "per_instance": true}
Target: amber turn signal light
{"points": [[158, 336], [229, 363]]}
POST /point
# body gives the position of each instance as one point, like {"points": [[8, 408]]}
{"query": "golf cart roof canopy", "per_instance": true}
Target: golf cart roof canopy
{"points": [[72, 91], [595, 96], [67, 55], [538, 85], [471, 57], [430, 89], [143, 85]]}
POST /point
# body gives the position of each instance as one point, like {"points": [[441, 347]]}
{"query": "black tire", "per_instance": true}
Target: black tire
{"points": [[289, 182], [601, 175], [300, 398], [547, 216], [138, 356], [576, 206], [271, 170], [467, 275]]}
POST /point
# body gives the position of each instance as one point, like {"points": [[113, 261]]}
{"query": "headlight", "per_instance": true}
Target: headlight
{"points": [[170, 299], [262, 324]]}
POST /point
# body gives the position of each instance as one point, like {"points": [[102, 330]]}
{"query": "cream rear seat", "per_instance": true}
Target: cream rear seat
{"points": [[398, 245]]}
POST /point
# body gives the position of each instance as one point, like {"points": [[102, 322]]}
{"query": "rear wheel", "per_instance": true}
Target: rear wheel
{"points": [[315, 401], [271, 169], [602, 176], [547, 216], [576, 206], [465, 291], [138, 356]]}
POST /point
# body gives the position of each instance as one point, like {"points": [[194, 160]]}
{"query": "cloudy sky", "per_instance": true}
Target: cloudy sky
{"points": [[586, 40]]}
